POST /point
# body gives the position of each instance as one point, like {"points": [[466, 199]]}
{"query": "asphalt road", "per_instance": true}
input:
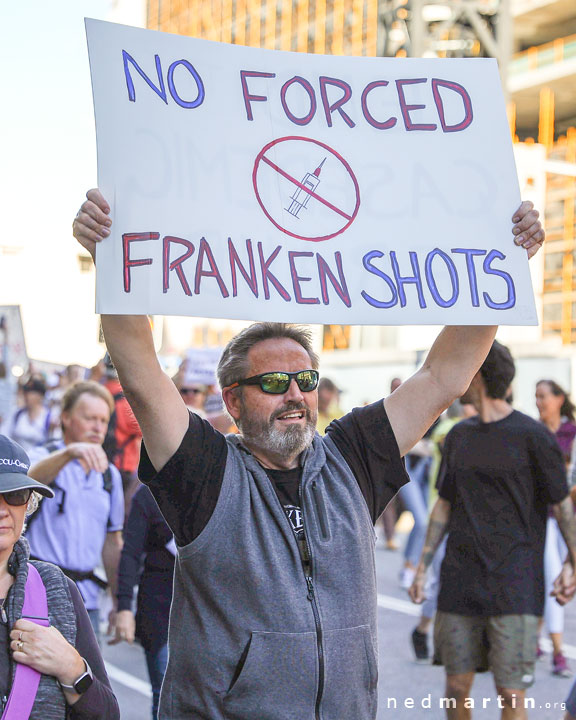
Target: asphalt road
{"points": [[406, 691]]}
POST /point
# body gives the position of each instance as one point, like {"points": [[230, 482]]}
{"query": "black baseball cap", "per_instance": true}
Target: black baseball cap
{"points": [[14, 466]]}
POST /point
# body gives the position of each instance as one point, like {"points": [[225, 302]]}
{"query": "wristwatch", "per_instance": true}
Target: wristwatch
{"points": [[81, 684]]}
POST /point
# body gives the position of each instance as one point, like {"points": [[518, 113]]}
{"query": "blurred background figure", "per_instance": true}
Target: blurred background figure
{"points": [[83, 526], [123, 437], [198, 386], [30, 425], [328, 404], [216, 412], [571, 704], [414, 499], [147, 562], [7, 380], [67, 377], [456, 412], [556, 411], [194, 396]]}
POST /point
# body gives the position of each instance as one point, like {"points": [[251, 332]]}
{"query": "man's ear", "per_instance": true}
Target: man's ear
{"points": [[233, 401]]}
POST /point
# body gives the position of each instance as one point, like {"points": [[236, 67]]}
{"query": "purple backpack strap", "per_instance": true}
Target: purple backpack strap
{"points": [[26, 679]]}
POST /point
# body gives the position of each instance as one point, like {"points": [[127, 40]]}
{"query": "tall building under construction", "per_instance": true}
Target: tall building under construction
{"points": [[533, 40]]}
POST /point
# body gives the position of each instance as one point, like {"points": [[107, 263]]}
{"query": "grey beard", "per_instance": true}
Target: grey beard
{"points": [[291, 441]]}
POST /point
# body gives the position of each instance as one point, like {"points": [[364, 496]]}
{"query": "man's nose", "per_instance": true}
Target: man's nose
{"points": [[294, 393]]}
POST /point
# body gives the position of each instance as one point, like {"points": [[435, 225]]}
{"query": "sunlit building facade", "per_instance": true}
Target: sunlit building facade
{"points": [[535, 44], [542, 84], [337, 27]]}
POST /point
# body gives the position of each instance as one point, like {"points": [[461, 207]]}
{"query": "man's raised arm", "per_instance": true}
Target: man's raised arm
{"points": [[159, 409], [453, 360]]}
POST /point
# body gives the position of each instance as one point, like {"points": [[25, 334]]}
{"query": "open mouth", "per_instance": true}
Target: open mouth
{"points": [[292, 415]]}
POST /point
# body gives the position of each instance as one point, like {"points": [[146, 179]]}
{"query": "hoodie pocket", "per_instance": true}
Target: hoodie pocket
{"points": [[350, 690], [277, 680]]}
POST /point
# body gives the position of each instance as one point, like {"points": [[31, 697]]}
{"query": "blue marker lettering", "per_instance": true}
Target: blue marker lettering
{"points": [[160, 91], [432, 282], [511, 300], [367, 262], [415, 279]]}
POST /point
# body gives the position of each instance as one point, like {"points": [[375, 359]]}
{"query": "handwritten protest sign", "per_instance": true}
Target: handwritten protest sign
{"points": [[254, 184]]}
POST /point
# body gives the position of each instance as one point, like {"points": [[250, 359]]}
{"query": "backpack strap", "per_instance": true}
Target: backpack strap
{"points": [[16, 418], [26, 679], [107, 480], [52, 446], [47, 423]]}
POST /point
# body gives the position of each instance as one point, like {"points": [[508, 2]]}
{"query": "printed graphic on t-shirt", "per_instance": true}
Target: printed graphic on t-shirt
{"points": [[296, 520]]}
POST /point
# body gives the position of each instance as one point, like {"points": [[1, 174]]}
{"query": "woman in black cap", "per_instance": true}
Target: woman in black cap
{"points": [[50, 662]]}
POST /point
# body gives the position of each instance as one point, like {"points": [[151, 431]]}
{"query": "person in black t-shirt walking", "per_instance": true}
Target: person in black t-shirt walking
{"points": [[500, 471]]}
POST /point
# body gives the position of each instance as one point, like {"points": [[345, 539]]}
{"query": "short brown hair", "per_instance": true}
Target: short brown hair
{"points": [[232, 366], [86, 387]]}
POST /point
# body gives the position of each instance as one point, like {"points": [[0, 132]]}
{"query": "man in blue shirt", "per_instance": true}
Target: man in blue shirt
{"points": [[84, 524]]}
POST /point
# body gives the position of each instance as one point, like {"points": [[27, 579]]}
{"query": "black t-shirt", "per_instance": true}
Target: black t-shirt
{"points": [[499, 478], [187, 487]]}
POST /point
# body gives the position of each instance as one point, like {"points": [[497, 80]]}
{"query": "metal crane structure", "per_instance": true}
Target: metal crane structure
{"points": [[447, 28]]}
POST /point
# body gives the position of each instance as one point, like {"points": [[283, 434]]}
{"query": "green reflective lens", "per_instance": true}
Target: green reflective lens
{"points": [[275, 383], [307, 380]]}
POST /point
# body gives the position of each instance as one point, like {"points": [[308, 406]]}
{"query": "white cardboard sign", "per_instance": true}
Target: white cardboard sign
{"points": [[255, 184]]}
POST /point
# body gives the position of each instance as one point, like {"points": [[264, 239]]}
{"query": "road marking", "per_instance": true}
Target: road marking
{"points": [[384, 601], [130, 681], [408, 608], [403, 606]]}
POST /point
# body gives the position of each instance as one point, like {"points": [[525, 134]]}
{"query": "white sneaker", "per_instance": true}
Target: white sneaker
{"points": [[407, 577]]}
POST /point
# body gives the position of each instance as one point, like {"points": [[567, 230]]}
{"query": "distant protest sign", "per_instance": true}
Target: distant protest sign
{"points": [[255, 184], [201, 365]]}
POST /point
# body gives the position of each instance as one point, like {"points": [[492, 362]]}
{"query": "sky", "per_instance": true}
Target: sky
{"points": [[48, 144], [47, 163]]}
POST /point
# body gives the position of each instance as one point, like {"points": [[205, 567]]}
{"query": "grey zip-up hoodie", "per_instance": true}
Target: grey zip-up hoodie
{"points": [[250, 638]]}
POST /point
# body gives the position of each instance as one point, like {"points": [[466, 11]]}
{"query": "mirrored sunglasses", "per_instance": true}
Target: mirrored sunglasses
{"points": [[276, 383]]}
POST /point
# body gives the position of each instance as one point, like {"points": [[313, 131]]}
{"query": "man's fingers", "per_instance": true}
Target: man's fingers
{"points": [[95, 196], [92, 223], [531, 236], [98, 462], [526, 221], [85, 220], [96, 212], [522, 211]]}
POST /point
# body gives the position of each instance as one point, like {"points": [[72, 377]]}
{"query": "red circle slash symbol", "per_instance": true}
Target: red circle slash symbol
{"points": [[305, 188]]}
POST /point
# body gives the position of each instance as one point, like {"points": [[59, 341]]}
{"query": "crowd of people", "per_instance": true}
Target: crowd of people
{"points": [[269, 519], [103, 530]]}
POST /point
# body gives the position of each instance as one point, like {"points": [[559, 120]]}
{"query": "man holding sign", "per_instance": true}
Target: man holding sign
{"points": [[274, 609]]}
